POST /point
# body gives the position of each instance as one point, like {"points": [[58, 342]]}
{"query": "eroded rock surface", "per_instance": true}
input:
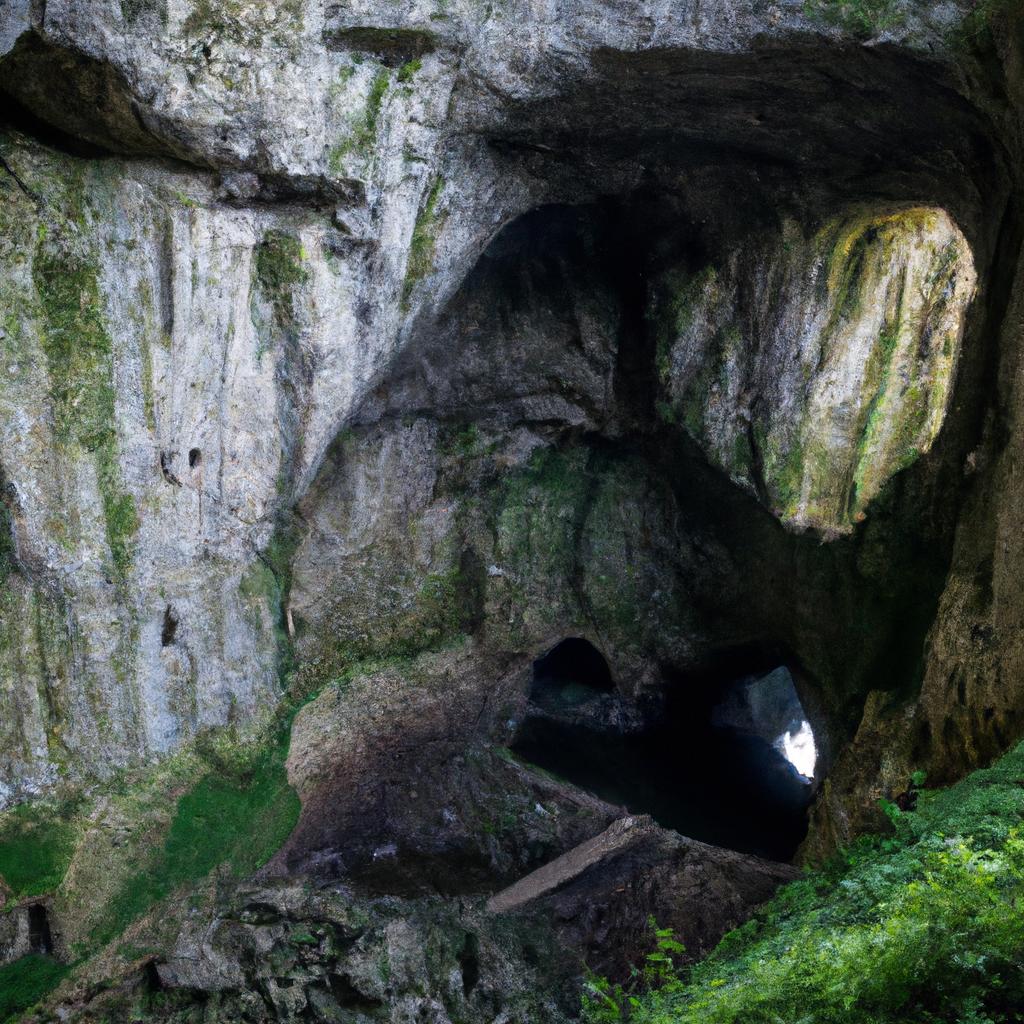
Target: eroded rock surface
{"points": [[814, 374], [353, 358]]}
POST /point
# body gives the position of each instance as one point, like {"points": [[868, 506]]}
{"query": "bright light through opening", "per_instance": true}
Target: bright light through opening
{"points": [[799, 750]]}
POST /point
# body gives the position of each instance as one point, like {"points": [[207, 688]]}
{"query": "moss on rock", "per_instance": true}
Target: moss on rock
{"points": [[841, 377], [79, 356]]}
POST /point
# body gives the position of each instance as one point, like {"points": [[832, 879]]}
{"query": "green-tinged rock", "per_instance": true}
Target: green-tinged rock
{"points": [[839, 378]]}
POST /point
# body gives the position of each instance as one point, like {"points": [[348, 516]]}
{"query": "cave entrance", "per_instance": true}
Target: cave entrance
{"points": [[728, 760], [575, 668]]}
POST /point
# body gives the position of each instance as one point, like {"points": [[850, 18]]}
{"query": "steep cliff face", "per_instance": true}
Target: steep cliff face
{"points": [[233, 320], [352, 359]]}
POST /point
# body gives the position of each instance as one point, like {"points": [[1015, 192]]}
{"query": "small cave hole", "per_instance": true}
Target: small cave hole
{"points": [[39, 938], [728, 758], [151, 976], [170, 627], [195, 458], [469, 963], [572, 670]]}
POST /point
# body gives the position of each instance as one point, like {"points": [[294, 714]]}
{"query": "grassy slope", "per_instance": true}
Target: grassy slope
{"points": [[235, 812], [924, 925]]}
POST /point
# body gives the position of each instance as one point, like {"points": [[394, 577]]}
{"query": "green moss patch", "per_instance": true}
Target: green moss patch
{"points": [[36, 845], [363, 137], [24, 982], [237, 816], [423, 245], [79, 357], [280, 269]]}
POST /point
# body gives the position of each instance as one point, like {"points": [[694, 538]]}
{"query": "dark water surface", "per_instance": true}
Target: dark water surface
{"points": [[711, 783]]}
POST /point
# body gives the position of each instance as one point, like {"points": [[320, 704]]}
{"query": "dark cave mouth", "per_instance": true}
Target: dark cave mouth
{"points": [[731, 765]]}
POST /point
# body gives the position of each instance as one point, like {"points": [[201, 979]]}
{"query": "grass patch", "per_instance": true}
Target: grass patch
{"points": [[36, 845], [24, 982], [237, 816], [921, 926]]}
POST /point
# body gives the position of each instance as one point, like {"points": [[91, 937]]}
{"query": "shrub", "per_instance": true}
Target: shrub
{"points": [[920, 926]]}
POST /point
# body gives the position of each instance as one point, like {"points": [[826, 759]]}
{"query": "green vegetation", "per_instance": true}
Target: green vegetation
{"points": [[364, 135], [435, 616], [36, 844], [241, 22], [423, 245], [604, 1002], [861, 17], [269, 582], [681, 294], [920, 926], [981, 23], [237, 815], [79, 358], [24, 982], [280, 269], [407, 70]]}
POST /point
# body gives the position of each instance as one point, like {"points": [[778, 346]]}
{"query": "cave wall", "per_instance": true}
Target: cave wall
{"points": [[966, 709], [247, 283]]}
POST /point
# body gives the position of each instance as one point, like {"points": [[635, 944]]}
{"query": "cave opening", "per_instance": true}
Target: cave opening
{"points": [[570, 665], [39, 935], [728, 759]]}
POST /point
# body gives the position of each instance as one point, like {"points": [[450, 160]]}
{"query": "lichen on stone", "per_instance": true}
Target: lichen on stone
{"points": [[846, 377], [79, 355]]}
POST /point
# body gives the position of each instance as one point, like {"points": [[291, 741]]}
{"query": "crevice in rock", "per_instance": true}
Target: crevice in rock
{"points": [[167, 468], [469, 964], [170, 627]]}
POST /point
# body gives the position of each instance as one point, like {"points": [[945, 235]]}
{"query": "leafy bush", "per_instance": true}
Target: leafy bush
{"points": [[921, 926], [605, 1003], [861, 17]]}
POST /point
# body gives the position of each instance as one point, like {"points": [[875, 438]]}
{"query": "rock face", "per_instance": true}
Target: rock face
{"points": [[813, 374], [602, 894], [352, 358], [239, 307]]}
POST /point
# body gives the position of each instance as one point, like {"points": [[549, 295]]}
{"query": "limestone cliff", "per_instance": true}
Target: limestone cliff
{"points": [[353, 355]]}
